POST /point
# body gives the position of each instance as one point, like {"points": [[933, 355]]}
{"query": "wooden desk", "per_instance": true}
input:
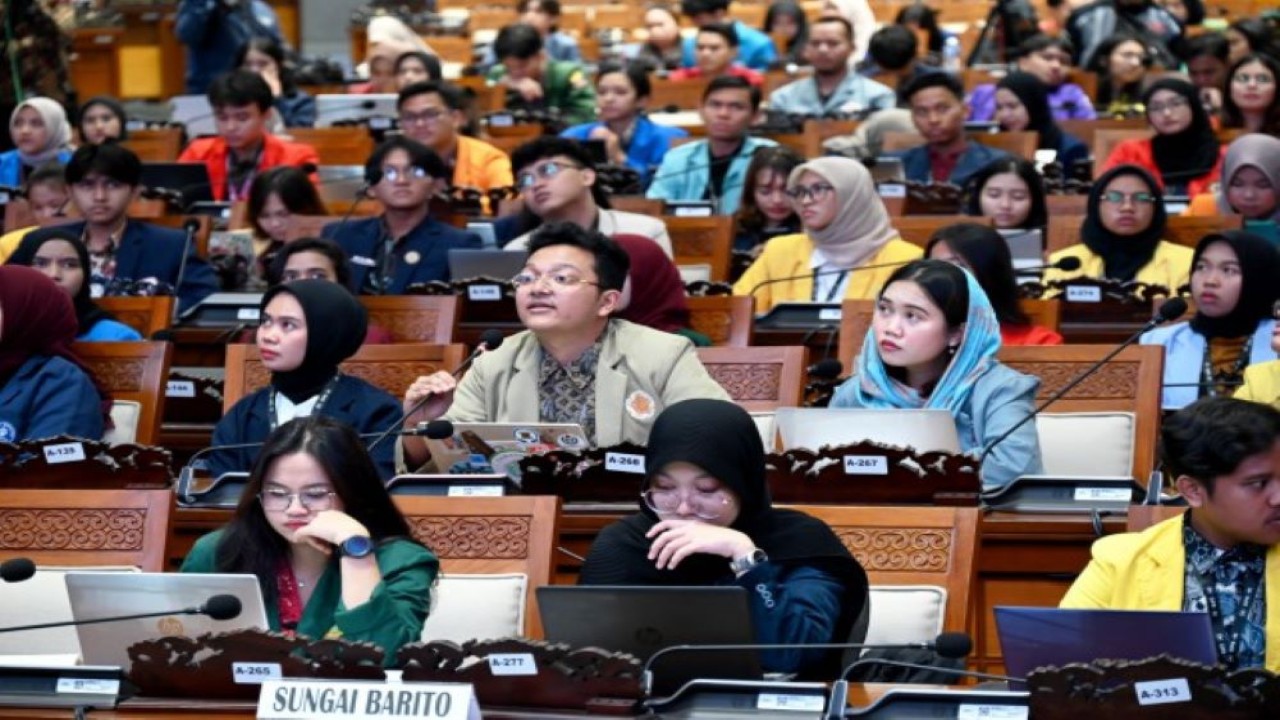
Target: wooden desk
{"points": [[95, 61]]}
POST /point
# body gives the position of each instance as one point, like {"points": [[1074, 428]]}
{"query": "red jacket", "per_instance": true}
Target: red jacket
{"points": [[1028, 335], [212, 151], [1138, 152]]}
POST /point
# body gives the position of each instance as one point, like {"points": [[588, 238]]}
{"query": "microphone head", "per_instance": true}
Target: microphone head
{"points": [[953, 645], [17, 569], [491, 339], [309, 168], [191, 225], [222, 607], [439, 429], [828, 369], [1068, 263], [1171, 309]]}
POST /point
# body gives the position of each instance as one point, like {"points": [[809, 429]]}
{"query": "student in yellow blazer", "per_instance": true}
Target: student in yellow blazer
{"points": [[1223, 555], [1262, 380]]}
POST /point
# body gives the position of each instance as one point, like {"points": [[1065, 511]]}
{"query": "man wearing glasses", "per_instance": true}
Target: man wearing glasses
{"points": [[558, 183], [404, 246], [431, 113], [573, 363]]}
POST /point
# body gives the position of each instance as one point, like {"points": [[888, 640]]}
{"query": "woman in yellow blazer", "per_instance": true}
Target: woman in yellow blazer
{"points": [[847, 233], [1262, 380], [1121, 236]]}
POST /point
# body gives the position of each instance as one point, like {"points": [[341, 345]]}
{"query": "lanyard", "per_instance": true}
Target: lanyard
{"points": [[236, 194], [274, 418], [834, 292], [1228, 647], [1208, 386]]}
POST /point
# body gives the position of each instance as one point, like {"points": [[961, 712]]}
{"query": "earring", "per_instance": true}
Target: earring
{"points": [[951, 349]]}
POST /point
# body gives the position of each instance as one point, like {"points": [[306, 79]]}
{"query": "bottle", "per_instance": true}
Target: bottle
{"points": [[951, 55]]}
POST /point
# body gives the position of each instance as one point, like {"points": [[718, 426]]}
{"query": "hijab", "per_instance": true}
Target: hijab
{"points": [[116, 109], [861, 225], [657, 290], [1259, 269], [336, 326], [975, 355], [1255, 150], [1034, 96], [87, 311], [55, 121], [1184, 156], [1122, 255]]}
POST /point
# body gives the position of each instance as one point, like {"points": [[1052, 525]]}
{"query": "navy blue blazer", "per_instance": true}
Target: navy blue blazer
{"points": [[152, 251], [421, 256], [48, 396], [916, 166], [353, 401]]}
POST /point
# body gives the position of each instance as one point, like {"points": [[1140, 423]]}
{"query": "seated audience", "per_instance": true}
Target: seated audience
{"points": [[630, 137], [1252, 102], [654, 295], [40, 134], [415, 67], [715, 55], [921, 19], [981, 251], [213, 31], [434, 114], [1184, 155], [1122, 235], [574, 363], [307, 328], [755, 49], [315, 259], [1121, 64], [45, 390], [275, 197], [846, 227], [1023, 105], [1262, 380], [892, 59], [1207, 66], [937, 108], [332, 553], [706, 519], [932, 345], [47, 200], [389, 38], [404, 246], [1011, 193], [265, 56], [544, 16], [102, 118], [786, 19], [104, 179], [834, 87], [243, 148], [1091, 25], [859, 15], [663, 47], [557, 182], [1048, 58], [1250, 183], [766, 210], [63, 258], [533, 81], [714, 168], [1219, 557], [1233, 284], [1250, 35]]}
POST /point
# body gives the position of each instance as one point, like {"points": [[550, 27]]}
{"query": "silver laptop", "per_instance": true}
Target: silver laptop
{"points": [[378, 109], [339, 182], [195, 112], [1025, 246], [465, 263], [923, 430], [99, 595]]}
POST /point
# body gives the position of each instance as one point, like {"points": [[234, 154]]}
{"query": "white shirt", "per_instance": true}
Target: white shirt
{"points": [[286, 410], [831, 286]]}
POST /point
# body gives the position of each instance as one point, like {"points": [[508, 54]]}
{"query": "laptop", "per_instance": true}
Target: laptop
{"points": [[641, 621], [498, 448], [1034, 637], [41, 599], [99, 595], [923, 430], [190, 179], [467, 263], [378, 109], [1025, 246], [195, 113]]}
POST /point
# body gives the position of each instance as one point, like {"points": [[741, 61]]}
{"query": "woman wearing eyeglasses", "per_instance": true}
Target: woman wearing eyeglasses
{"points": [[706, 519], [1123, 226], [847, 236], [1252, 102], [1233, 283], [333, 555]]}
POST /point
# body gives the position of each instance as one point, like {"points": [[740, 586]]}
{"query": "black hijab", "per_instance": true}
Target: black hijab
{"points": [[1185, 156], [721, 438], [88, 313], [1034, 96], [111, 104], [1123, 255], [336, 326], [1259, 268]]}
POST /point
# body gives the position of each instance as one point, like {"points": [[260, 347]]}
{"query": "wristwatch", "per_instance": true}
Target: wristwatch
{"points": [[747, 562], [356, 546]]}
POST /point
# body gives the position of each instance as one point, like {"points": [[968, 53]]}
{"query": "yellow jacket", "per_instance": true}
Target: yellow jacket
{"points": [[10, 242], [1145, 571], [1261, 383], [1170, 266], [788, 256]]}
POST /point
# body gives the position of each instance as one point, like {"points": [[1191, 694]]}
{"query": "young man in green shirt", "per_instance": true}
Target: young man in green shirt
{"points": [[535, 83]]}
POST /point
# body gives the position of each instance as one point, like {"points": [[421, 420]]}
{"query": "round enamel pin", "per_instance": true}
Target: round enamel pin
{"points": [[413, 257], [640, 405]]}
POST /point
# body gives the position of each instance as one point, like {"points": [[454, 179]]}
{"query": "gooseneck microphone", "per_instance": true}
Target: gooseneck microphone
{"points": [[218, 607], [821, 273], [950, 645], [1070, 263], [17, 569]]}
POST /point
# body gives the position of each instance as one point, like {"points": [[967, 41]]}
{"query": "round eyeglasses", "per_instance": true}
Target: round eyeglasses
{"points": [[705, 505]]}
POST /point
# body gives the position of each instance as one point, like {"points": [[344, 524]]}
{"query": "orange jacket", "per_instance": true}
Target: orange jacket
{"points": [[480, 165], [1138, 152], [212, 151]]}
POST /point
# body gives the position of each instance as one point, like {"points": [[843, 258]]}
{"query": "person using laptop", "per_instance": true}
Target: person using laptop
{"points": [[243, 148], [574, 363], [706, 519], [716, 55], [936, 101], [715, 168], [834, 89], [433, 113], [331, 551], [534, 82], [307, 328], [1222, 556], [932, 345], [405, 245], [104, 179]]}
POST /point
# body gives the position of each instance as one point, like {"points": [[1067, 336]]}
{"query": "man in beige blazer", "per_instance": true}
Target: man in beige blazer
{"points": [[573, 363]]}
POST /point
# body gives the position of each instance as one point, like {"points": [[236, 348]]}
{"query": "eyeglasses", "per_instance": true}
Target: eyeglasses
{"points": [[816, 191], [557, 280], [1115, 197], [422, 118], [705, 505], [1171, 106], [393, 174], [1246, 78], [310, 499], [546, 171]]}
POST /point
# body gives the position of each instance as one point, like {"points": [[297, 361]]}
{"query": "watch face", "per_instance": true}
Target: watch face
{"points": [[357, 546]]}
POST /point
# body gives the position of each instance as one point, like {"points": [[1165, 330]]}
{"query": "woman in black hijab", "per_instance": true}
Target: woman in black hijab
{"points": [[1022, 104], [1233, 284], [306, 328], [706, 519]]}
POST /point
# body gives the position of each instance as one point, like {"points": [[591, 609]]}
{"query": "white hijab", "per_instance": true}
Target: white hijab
{"points": [[55, 121], [861, 225]]}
